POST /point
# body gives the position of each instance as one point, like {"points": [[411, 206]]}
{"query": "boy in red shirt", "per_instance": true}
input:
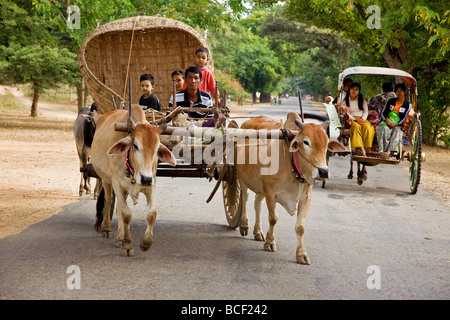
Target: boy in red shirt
{"points": [[208, 84]]}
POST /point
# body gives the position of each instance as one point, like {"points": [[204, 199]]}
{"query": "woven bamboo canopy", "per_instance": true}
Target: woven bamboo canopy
{"points": [[130, 47]]}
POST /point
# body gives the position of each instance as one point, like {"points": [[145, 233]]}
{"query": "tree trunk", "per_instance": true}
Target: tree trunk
{"points": [[397, 57], [254, 97], [80, 94], [264, 97], [34, 104]]}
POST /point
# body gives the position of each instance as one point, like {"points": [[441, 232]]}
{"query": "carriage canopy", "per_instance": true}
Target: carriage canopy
{"points": [[377, 71]]}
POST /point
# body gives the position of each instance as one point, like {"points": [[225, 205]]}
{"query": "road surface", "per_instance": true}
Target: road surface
{"points": [[374, 241]]}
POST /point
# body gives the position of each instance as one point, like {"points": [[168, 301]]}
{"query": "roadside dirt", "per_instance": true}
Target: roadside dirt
{"points": [[39, 164]]}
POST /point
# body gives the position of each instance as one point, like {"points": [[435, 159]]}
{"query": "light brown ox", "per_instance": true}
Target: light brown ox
{"points": [[309, 147], [110, 148]]}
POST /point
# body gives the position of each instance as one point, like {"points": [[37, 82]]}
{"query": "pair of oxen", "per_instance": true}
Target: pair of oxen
{"points": [[126, 164]]}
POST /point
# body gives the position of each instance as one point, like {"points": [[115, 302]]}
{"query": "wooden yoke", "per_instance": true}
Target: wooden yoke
{"points": [[166, 119]]}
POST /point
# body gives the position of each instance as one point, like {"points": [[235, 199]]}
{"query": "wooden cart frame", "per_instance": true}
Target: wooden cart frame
{"points": [[114, 56]]}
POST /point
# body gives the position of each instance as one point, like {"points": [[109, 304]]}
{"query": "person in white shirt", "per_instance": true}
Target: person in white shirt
{"points": [[361, 131]]}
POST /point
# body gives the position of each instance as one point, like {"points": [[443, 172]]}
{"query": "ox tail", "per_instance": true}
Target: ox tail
{"points": [[99, 214]]}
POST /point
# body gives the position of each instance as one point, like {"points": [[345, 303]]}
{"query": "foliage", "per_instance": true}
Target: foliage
{"points": [[251, 61], [30, 53], [43, 25], [413, 36], [227, 82], [312, 55]]}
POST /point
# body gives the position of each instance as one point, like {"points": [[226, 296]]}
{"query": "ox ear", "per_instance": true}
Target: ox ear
{"points": [[120, 146], [294, 145], [336, 146], [165, 155], [325, 124]]}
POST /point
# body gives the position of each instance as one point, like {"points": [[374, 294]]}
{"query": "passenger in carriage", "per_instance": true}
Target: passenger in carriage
{"points": [[378, 102], [192, 96], [148, 99], [389, 132], [361, 131], [339, 100]]}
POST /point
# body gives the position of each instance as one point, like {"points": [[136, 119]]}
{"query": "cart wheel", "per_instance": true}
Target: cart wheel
{"points": [[231, 192], [415, 156]]}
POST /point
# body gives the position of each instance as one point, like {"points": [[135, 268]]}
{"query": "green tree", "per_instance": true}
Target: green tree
{"points": [[251, 61], [313, 54], [413, 36], [30, 54], [196, 13]]}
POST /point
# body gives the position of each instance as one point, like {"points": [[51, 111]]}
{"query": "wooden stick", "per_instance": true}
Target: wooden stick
{"points": [[239, 133]]}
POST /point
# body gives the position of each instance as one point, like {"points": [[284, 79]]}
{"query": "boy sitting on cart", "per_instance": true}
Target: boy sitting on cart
{"points": [[192, 96]]}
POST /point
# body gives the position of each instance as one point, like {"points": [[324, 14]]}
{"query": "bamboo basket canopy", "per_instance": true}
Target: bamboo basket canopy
{"points": [[130, 47]]}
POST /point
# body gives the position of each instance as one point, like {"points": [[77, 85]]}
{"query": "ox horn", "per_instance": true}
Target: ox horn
{"points": [[325, 124], [299, 124], [131, 125]]}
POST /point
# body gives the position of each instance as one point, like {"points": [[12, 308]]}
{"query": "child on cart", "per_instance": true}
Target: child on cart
{"points": [[208, 83], [148, 99]]}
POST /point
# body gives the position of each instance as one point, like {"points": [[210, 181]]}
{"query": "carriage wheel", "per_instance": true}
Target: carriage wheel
{"points": [[415, 156], [231, 192]]}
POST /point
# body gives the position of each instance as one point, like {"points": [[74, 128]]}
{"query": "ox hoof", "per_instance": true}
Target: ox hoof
{"points": [[107, 233], [126, 252], [243, 231], [127, 249], [272, 247], [303, 259], [145, 245], [259, 236]]}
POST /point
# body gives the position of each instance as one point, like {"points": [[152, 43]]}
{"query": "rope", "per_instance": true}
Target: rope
{"points": [[129, 59]]}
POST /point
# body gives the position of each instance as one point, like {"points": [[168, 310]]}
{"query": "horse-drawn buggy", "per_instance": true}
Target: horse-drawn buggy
{"points": [[409, 144]]}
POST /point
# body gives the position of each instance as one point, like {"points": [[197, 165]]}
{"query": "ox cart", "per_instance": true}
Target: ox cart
{"points": [[411, 146], [115, 54]]}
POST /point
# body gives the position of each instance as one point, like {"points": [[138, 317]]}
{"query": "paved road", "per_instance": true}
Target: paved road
{"points": [[374, 241]]}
